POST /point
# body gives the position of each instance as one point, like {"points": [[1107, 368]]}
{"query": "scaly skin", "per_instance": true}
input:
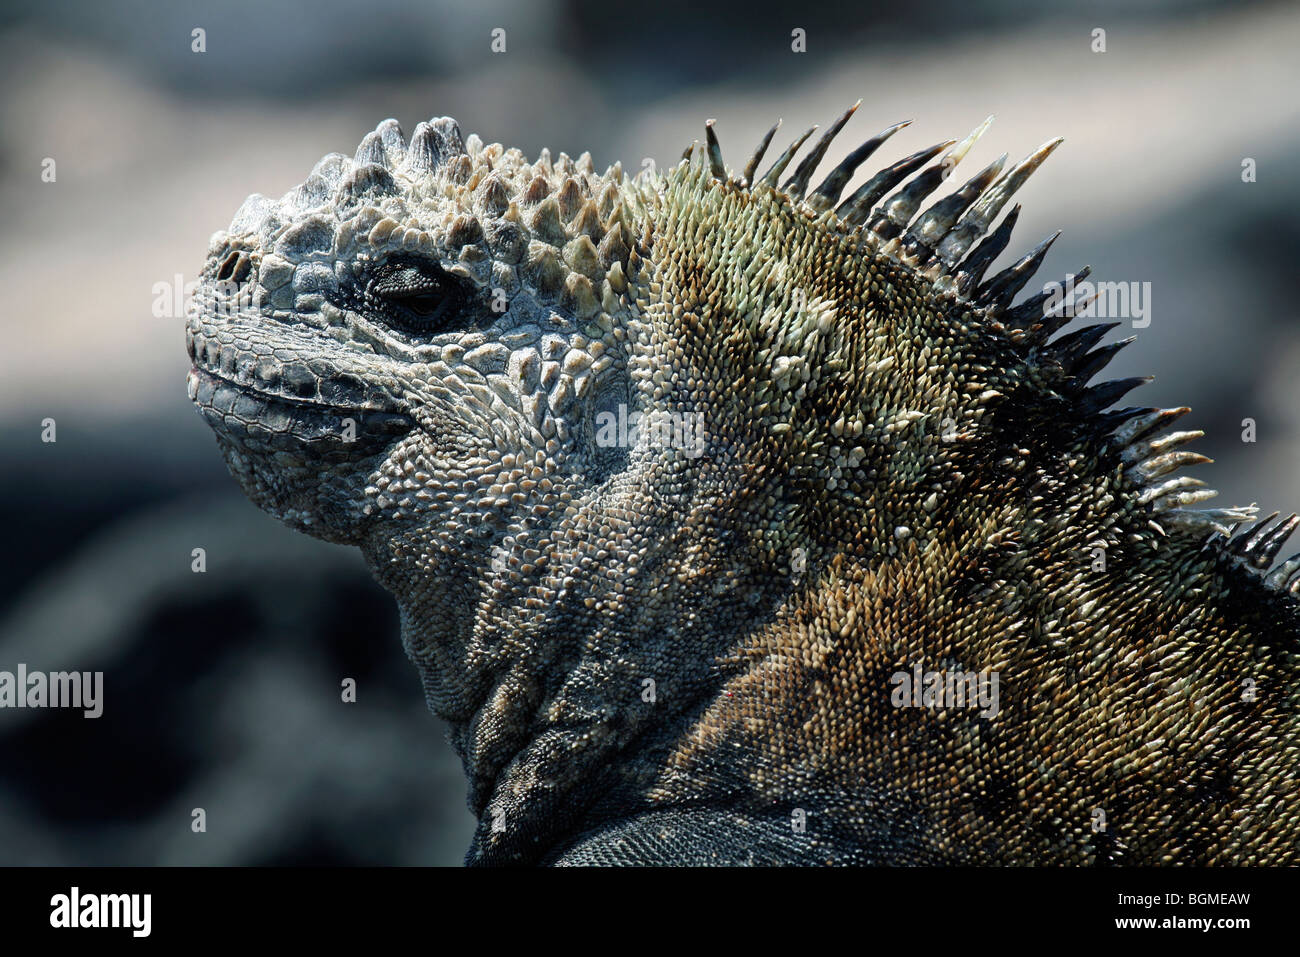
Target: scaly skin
{"points": [[683, 648]]}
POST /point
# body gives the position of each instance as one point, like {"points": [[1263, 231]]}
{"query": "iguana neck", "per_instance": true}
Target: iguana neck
{"points": [[546, 670]]}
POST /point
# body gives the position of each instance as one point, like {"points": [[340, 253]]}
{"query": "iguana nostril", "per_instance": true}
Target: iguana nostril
{"points": [[235, 267]]}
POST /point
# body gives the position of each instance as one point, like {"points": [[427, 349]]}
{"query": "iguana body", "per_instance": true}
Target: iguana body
{"points": [[687, 651]]}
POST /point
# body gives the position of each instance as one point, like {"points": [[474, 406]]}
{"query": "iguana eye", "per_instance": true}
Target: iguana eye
{"points": [[425, 305], [418, 297]]}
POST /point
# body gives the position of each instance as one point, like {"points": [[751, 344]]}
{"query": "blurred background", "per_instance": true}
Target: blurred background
{"points": [[222, 689]]}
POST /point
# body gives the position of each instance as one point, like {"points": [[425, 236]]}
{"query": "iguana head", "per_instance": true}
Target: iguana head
{"points": [[422, 334]]}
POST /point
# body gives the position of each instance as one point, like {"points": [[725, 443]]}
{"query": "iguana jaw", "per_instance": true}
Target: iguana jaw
{"points": [[296, 436]]}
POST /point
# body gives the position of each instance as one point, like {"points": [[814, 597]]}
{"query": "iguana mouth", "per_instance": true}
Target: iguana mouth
{"points": [[254, 418], [313, 406]]}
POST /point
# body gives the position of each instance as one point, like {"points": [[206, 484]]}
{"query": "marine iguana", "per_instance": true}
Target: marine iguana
{"points": [[688, 485]]}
